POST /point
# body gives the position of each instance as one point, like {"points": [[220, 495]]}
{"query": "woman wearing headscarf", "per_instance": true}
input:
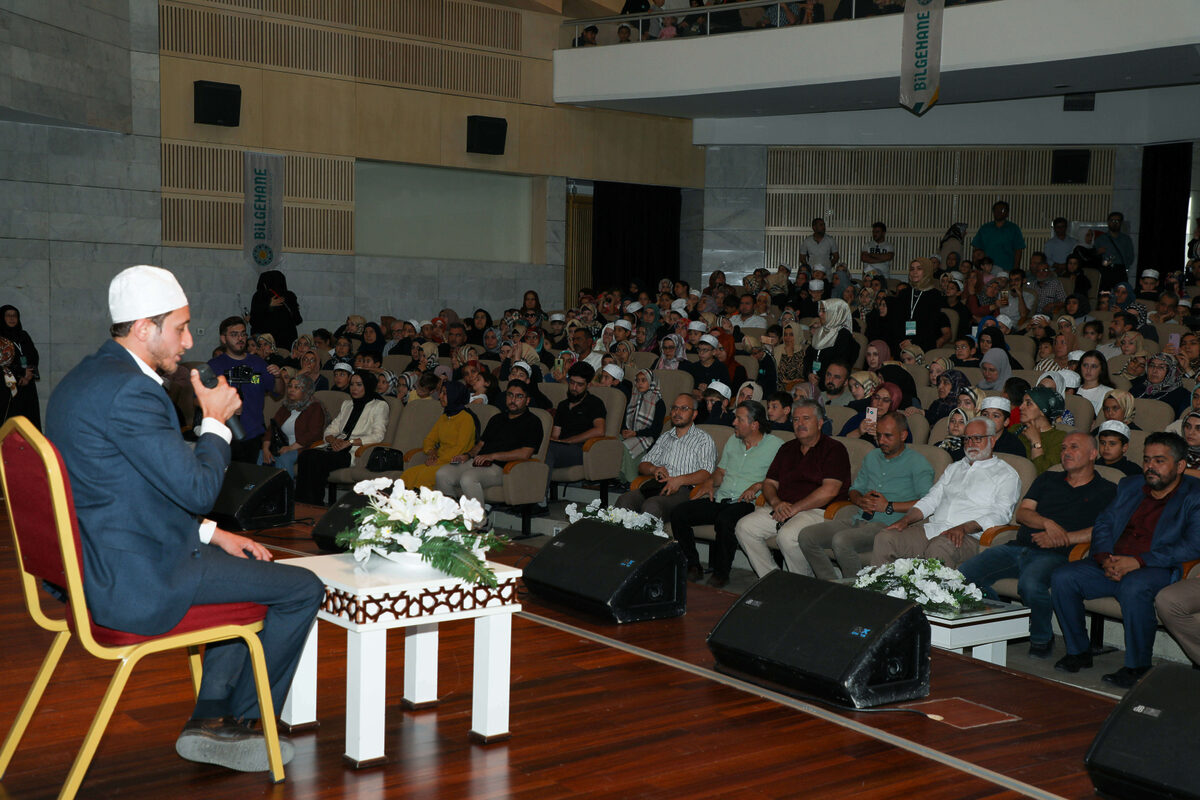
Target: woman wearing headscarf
{"points": [[749, 390], [879, 359], [728, 355], [956, 425], [833, 341], [275, 310], [453, 434], [386, 383], [1042, 441], [644, 416], [1118, 405], [789, 360], [993, 337], [996, 370], [1162, 382], [310, 367], [937, 368], [481, 320], [299, 422], [1056, 381], [23, 367], [1079, 309], [862, 385], [362, 420], [885, 399], [8, 389], [373, 340], [672, 351], [1124, 299], [949, 384], [915, 313]]}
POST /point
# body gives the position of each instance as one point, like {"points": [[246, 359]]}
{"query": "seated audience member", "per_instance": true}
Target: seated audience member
{"points": [[1188, 355], [779, 411], [681, 458], [890, 481], [708, 368], [1191, 437], [613, 376], [300, 421], [956, 426], [999, 411], [310, 367], [715, 405], [644, 415], [835, 391], [1118, 406], [833, 340], [972, 495], [521, 371], [361, 420], [969, 400], [1094, 381], [1056, 513], [367, 360], [341, 353], [341, 378], [427, 385], [966, 352], [453, 434], [1041, 440], [1138, 544], [949, 384], [746, 317], [1113, 438], [728, 495], [749, 390], [672, 351], [576, 419], [766, 374], [485, 389], [1162, 382], [884, 400], [807, 474], [513, 435], [996, 370], [456, 337]]}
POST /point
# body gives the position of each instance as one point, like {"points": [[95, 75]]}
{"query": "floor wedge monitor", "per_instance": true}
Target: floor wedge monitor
{"points": [[808, 636], [609, 571], [254, 497], [338, 518]]}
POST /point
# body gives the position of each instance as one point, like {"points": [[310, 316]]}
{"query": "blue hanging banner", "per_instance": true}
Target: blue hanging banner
{"points": [[921, 55], [262, 218]]}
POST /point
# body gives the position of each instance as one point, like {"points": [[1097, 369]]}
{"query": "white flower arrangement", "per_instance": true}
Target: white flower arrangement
{"points": [[925, 581], [442, 530], [631, 520]]}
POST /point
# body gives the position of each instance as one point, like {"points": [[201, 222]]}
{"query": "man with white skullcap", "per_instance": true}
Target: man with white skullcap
{"points": [[139, 493]]}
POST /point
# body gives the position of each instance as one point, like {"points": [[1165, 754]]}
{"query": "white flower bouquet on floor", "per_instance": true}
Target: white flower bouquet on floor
{"points": [[630, 520], [925, 581], [443, 531]]}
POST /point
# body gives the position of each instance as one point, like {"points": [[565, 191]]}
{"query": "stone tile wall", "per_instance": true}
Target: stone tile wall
{"points": [[735, 180]]}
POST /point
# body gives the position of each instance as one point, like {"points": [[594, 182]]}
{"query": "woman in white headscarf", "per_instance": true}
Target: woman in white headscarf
{"points": [[996, 370], [833, 341]]}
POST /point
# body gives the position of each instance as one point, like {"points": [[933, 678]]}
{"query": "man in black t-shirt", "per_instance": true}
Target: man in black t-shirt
{"points": [[508, 437], [578, 418], [1056, 513]]}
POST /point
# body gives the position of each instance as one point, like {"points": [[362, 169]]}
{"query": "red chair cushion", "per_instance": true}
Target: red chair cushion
{"points": [[197, 618]]}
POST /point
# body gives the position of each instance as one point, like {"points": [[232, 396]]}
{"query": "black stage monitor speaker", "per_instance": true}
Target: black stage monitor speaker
{"points": [[339, 517], [217, 103], [825, 639], [253, 497], [1148, 748], [486, 134], [625, 575]]}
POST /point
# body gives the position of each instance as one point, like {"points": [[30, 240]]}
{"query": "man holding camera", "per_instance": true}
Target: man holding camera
{"points": [[253, 378]]}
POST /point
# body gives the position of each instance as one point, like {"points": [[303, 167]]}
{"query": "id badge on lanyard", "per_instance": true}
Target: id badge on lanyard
{"points": [[910, 328]]}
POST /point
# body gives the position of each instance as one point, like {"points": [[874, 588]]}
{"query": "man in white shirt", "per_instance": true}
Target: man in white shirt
{"points": [[974, 494], [879, 251], [746, 318], [819, 250], [681, 459], [1060, 245]]}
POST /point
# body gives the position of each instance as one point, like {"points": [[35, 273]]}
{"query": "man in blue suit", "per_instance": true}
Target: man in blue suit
{"points": [[1138, 544], [139, 491]]}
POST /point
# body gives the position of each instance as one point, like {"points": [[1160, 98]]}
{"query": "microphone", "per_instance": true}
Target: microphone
{"points": [[210, 382]]}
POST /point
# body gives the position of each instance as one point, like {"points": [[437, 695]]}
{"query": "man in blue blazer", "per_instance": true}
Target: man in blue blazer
{"points": [[1138, 545], [139, 491]]}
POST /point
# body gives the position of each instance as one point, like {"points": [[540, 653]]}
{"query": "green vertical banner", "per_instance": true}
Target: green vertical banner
{"points": [[262, 219], [921, 55]]}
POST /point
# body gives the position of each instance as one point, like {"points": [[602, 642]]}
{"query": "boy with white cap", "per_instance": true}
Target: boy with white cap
{"points": [[1113, 438], [708, 368], [139, 490]]}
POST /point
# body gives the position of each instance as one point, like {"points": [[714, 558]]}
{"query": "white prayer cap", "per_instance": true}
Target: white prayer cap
{"points": [[1185, 301], [955, 274], [1004, 319], [615, 371], [817, 284], [1042, 317], [423, 323], [416, 325], [343, 366], [558, 317], [1075, 355], [1070, 378], [679, 305], [721, 389], [624, 323], [633, 307], [522, 365], [1115, 426], [694, 292], [1150, 273], [996, 401], [697, 325], [143, 291], [710, 340]]}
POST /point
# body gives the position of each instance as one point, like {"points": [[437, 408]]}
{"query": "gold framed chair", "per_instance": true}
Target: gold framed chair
{"points": [[42, 514]]}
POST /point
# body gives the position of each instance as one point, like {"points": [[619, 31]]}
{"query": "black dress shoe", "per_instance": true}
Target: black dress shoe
{"points": [[695, 573], [1125, 677], [1041, 649], [718, 581], [230, 743], [1073, 662]]}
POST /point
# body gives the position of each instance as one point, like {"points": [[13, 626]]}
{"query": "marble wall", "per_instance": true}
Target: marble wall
{"points": [[691, 236], [1127, 193], [735, 180]]}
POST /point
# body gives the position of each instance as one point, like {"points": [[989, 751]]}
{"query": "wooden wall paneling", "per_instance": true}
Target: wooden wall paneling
{"points": [[537, 82], [578, 251], [576, 149], [177, 108], [398, 124], [540, 142], [454, 112], [307, 113], [202, 221]]}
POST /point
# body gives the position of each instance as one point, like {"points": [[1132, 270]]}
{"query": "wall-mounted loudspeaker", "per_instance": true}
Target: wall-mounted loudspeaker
{"points": [[486, 135], [217, 103], [799, 634]]}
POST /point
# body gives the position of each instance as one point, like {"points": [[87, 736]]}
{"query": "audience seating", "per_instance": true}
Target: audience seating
{"points": [[407, 430], [525, 481], [332, 400], [640, 361], [1022, 349], [42, 515], [601, 454], [1083, 411], [862, 351], [839, 415], [674, 382], [1153, 415], [918, 429]]}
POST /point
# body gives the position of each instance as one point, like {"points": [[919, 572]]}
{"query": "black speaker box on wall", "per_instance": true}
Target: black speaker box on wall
{"points": [[625, 575], [486, 134], [1148, 748], [217, 103], [849, 645], [339, 517], [254, 497]]}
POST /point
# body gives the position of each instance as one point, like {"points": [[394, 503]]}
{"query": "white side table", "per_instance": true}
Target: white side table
{"points": [[369, 600], [986, 632]]}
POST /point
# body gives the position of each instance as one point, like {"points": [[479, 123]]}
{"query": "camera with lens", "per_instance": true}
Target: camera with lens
{"points": [[242, 375]]}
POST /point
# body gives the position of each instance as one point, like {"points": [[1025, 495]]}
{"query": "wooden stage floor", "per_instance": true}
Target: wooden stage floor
{"points": [[598, 711]]}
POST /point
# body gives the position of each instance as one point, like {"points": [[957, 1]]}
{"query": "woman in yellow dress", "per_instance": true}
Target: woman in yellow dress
{"points": [[453, 434]]}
